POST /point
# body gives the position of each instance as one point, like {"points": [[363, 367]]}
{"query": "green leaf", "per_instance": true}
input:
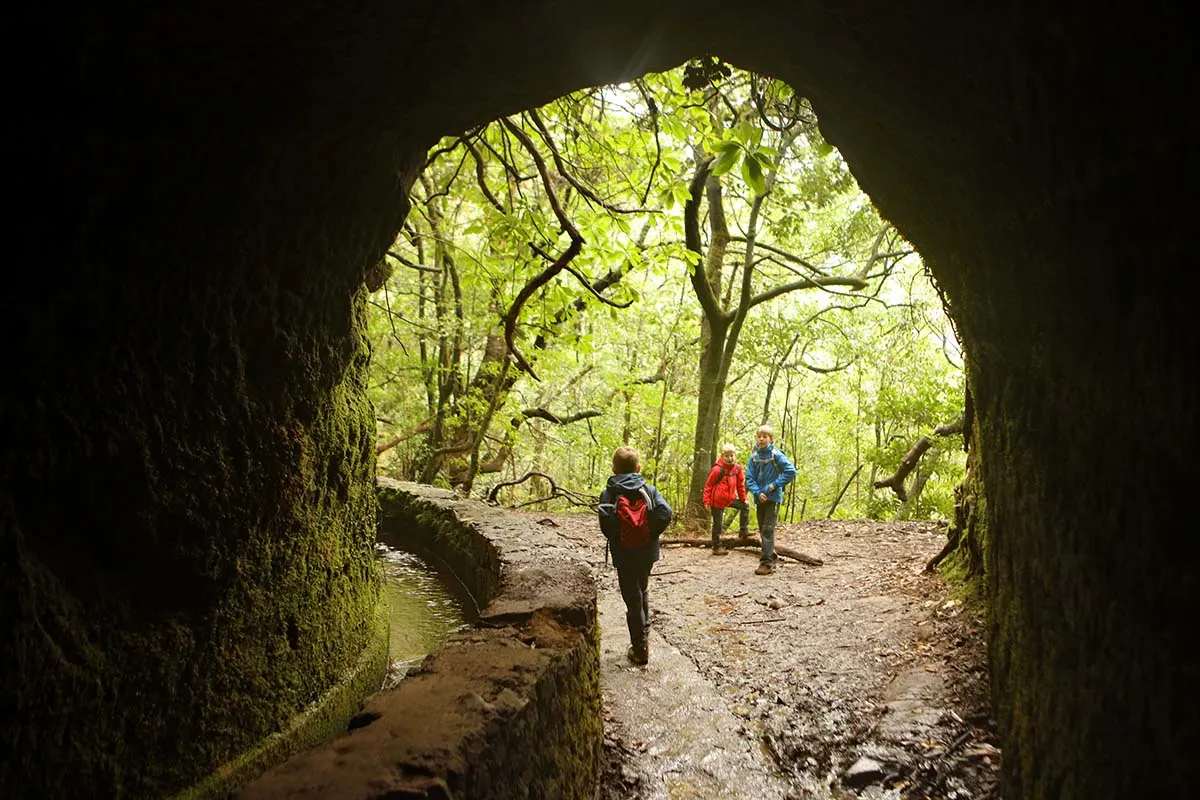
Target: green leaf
{"points": [[726, 160], [752, 173]]}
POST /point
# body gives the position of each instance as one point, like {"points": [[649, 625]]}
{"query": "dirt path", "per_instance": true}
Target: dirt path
{"points": [[857, 678]]}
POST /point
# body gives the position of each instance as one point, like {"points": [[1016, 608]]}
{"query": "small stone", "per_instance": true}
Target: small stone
{"points": [[864, 772]]}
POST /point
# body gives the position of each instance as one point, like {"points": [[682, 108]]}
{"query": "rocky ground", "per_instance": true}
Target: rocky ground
{"points": [[861, 677]]}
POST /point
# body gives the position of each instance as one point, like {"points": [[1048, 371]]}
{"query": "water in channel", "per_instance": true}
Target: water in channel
{"points": [[424, 607]]}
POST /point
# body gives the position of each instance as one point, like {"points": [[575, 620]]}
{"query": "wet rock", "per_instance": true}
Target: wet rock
{"points": [[863, 773]]}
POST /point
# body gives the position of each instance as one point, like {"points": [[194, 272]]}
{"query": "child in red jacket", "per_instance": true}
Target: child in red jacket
{"points": [[725, 487]]}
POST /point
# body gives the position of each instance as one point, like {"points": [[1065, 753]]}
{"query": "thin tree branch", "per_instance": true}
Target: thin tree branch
{"points": [[895, 481], [549, 416], [481, 179], [584, 190], [842, 493], [807, 283], [421, 427], [583, 279], [574, 497], [784, 254], [412, 264], [542, 278], [640, 83]]}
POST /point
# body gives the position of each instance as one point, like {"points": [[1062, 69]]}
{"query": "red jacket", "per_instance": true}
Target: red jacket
{"points": [[726, 483]]}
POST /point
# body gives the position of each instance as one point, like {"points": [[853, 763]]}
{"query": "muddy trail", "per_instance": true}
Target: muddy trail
{"points": [[859, 678]]}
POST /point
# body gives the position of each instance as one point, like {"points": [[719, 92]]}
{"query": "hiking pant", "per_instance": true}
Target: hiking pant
{"points": [[767, 514], [718, 519], [634, 580]]}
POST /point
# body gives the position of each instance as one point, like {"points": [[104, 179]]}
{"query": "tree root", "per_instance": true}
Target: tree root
{"points": [[730, 543]]}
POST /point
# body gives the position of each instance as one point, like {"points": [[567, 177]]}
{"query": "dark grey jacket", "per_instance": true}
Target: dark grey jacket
{"points": [[629, 483]]}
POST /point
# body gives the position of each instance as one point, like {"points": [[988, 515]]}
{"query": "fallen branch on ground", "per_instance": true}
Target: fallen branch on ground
{"points": [[729, 544], [556, 491]]}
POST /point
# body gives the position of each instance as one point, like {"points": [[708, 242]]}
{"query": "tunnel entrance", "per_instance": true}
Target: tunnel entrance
{"points": [[202, 202], [541, 306]]}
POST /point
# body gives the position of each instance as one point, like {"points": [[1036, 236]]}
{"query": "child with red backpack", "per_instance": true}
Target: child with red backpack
{"points": [[725, 487], [632, 517]]}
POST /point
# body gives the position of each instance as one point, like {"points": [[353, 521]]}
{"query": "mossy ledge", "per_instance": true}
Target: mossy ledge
{"points": [[320, 722], [508, 708]]}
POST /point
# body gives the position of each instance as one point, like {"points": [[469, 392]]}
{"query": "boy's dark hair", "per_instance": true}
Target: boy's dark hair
{"points": [[625, 459]]}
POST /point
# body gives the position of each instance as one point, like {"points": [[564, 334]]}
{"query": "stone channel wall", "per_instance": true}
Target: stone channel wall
{"points": [[509, 708]]}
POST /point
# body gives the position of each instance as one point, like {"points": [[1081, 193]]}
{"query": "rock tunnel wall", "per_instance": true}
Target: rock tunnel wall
{"points": [[508, 708], [188, 532], [201, 191]]}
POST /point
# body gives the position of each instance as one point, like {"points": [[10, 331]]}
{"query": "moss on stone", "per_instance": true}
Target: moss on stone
{"points": [[427, 523], [213, 575], [320, 722], [511, 708]]}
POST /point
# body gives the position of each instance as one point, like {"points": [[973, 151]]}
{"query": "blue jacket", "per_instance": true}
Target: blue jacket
{"points": [[768, 467], [629, 483]]}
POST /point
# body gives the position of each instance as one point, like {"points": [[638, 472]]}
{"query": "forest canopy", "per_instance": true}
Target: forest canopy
{"points": [[667, 263]]}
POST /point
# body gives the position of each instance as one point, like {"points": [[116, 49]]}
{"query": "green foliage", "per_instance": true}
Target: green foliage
{"points": [[849, 377]]}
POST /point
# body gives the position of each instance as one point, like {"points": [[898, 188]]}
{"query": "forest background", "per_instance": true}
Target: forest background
{"points": [[668, 264]]}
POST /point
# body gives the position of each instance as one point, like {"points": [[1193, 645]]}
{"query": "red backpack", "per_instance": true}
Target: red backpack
{"points": [[633, 517]]}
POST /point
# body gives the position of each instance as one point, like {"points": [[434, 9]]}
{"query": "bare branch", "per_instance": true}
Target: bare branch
{"points": [[412, 264], [895, 481], [549, 416], [481, 179], [542, 278], [441, 151], [640, 83], [730, 543], [807, 283], [784, 254], [573, 497], [585, 280], [842, 493], [825, 370], [421, 427]]}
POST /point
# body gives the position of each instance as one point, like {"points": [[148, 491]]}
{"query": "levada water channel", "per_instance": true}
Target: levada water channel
{"points": [[426, 603]]}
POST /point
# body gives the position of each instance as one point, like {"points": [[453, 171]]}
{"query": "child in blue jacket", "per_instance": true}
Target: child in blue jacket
{"points": [[767, 472]]}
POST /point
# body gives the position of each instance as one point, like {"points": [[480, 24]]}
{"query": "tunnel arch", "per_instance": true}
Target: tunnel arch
{"points": [[203, 189]]}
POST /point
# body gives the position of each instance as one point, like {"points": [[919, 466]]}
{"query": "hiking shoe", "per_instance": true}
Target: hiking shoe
{"points": [[744, 534], [720, 551], [638, 655], [764, 569]]}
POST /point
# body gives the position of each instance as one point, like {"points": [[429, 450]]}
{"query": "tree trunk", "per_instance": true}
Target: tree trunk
{"points": [[962, 557]]}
